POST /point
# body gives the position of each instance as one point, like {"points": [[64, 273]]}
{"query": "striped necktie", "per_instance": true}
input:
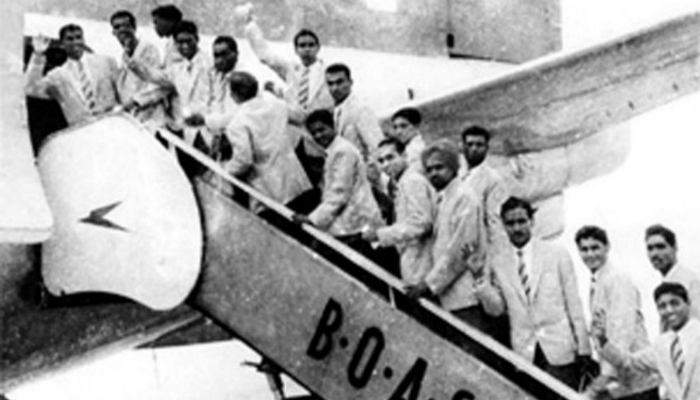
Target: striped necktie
{"points": [[524, 277], [86, 87], [303, 93], [677, 356]]}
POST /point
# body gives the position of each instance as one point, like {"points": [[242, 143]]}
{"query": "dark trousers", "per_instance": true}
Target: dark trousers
{"points": [[651, 394], [477, 317], [568, 373]]}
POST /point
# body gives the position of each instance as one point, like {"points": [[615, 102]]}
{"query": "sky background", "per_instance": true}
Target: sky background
{"points": [[659, 183]]}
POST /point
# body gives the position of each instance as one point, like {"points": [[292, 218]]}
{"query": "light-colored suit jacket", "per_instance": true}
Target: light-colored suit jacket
{"points": [[347, 202], [691, 281], [131, 86], [291, 73], [189, 79], [356, 122], [657, 358], [553, 316], [459, 222], [262, 154], [416, 207], [63, 85], [618, 299], [492, 191], [413, 151]]}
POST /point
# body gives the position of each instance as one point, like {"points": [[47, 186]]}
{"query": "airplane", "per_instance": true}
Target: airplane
{"points": [[542, 67]]}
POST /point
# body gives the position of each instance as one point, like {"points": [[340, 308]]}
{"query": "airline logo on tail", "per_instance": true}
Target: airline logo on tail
{"points": [[98, 217]]}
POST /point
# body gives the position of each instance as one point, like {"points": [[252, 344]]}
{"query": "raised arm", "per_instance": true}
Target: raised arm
{"points": [[36, 84], [262, 50]]}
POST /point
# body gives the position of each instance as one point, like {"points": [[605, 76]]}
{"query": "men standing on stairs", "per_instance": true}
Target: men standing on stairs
{"points": [[616, 299], [675, 355], [538, 283], [347, 204], [261, 152], [662, 251], [459, 236], [489, 186], [414, 210]]}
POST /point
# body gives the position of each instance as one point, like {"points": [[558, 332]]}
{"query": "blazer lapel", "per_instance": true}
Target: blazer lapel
{"points": [[537, 267], [692, 355]]}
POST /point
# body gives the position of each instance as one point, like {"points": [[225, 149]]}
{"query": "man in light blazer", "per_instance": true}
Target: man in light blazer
{"points": [[538, 283], [347, 205], [675, 354], [458, 234], [130, 86], [261, 153], [615, 296], [84, 86], [415, 208], [354, 119], [662, 251], [488, 184]]}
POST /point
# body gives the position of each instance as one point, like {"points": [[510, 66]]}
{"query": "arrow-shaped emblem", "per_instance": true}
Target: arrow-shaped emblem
{"points": [[97, 217]]}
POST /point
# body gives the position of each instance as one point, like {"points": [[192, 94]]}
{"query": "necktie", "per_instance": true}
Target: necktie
{"points": [[593, 288], [677, 356], [86, 87], [522, 271], [303, 94], [336, 118]]}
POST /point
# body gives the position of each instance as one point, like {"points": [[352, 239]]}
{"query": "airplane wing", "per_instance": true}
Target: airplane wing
{"points": [[24, 213], [561, 99], [558, 100]]}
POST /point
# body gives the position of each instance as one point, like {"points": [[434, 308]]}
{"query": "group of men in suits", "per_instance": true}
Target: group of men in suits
{"points": [[464, 240]]}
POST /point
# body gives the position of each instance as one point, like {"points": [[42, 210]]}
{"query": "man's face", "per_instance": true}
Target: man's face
{"points": [[73, 43], [518, 225], [163, 26], [403, 130], [186, 44], [661, 254], [475, 148], [438, 172], [321, 133], [224, 58], [307, 49], [124, 32], [673, 310], [594, 253], [339, 85], [390, 161]]}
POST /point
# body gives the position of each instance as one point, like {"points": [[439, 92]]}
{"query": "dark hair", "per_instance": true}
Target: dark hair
{"points": [[68, 28], [185, 26], [476, 131], [410, 114], [167, 12], [306, 32], [591, 232], [390, 141], [446, 150], [243, 85], [516, 202], [659, 229], [337, 68], [671, 288], [230, 42], [321, 115], [124, 14]]}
